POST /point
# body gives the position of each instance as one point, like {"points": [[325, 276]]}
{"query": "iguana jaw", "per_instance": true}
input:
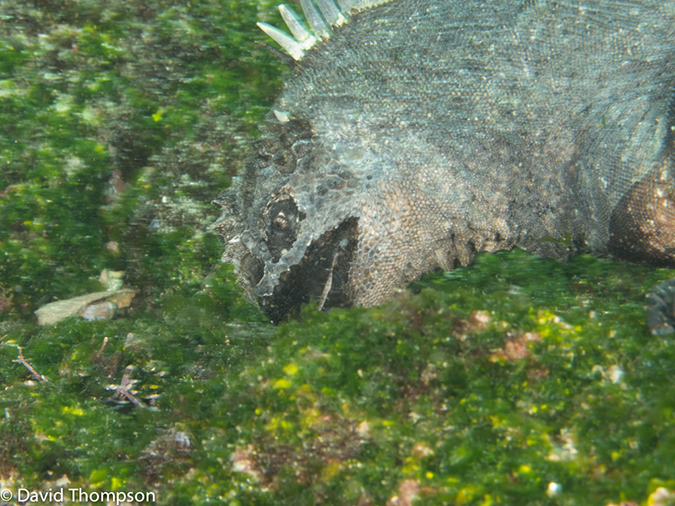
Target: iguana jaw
{"points": [[322, 275]]}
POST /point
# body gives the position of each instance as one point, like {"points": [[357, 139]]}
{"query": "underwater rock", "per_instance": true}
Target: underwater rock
{"points": [[92, 306]]}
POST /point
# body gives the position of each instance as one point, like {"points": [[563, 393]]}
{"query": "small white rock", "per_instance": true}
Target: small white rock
{"points": [[553, 489]]}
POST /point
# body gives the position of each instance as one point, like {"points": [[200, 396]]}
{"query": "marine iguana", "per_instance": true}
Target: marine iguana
{"points": [[417, 133]]}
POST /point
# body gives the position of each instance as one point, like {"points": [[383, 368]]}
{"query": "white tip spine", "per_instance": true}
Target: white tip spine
{"points": [[314, 18], [303, 36], [331, 12], [320, 15], [291, 45]]}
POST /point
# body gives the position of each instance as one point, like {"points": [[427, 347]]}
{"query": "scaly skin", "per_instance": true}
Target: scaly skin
{"points": [[423, 132]]}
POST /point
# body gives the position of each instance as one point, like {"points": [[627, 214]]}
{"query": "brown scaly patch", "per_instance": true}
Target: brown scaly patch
{"points": [[643, 223]]}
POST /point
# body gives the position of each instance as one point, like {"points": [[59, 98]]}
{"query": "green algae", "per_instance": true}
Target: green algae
{"points": [[120, 121], [514, 381]]}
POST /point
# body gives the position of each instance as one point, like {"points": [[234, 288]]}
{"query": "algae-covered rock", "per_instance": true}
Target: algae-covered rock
{"points": [[93, 306]]}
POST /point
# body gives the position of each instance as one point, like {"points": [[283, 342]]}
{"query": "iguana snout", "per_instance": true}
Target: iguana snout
{"points": [[322, 275]]}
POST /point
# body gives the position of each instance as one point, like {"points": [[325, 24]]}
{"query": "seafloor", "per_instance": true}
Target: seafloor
{"points": [[517, 381]]}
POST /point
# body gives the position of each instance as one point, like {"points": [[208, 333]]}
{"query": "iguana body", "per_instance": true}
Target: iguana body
{"points": [[421, 132]]}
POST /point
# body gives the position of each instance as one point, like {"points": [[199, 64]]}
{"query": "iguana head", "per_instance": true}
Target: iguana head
{"points": [[295, 222], [285, 225]]}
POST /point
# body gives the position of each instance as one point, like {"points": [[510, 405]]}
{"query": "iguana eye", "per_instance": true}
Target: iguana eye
{"points": [[281, 225], [280, 222]]}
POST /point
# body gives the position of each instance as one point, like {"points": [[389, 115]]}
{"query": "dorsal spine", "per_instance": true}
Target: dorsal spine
{"points": [[320, 15]]}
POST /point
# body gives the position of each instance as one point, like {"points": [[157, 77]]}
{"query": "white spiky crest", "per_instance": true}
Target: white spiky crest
{"points": [[320, 15]]}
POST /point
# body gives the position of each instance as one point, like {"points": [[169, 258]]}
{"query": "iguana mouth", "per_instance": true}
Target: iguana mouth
{"points": [[322, 275]]}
